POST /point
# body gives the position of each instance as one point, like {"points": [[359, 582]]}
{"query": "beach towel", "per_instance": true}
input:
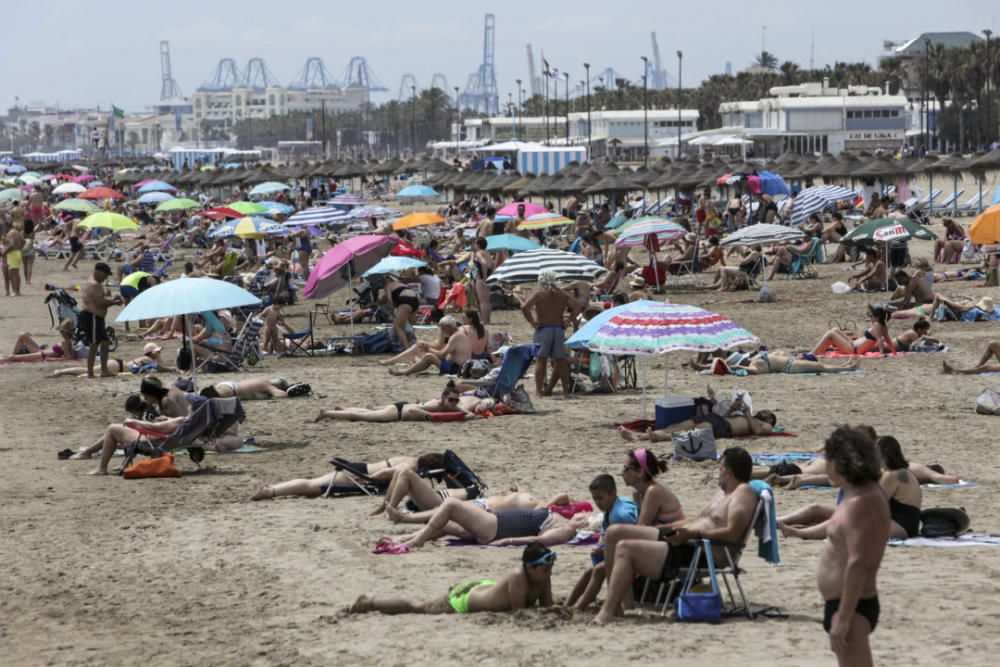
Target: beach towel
{"points": [[764, 458], [961, 485], [584, 538], [967, 540], [767, 526]]}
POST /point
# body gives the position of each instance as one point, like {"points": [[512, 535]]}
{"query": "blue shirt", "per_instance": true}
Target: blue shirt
{"points": [[623, 511]]}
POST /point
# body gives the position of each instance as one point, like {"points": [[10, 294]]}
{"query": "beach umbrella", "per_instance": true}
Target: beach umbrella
{"points": [[510, 242], [101, 193], [345, 261], [155, 197], [177, 204], [348, 199], [773, 184], [986, 227], [525, 267], [866, 232], [763, 234], [416, 191], [529, 209], [818, 198], [84, 178], [156, 186], [219, 213], [634, 234], [13, 194], [646, 328], [246, 207], [68, 189], [417, 220], [115, 222], [394, 264], [269, 188], [183, 297], [373, 212], [248, 228], [276, 208], [320, 215], [77, 206], [543, 220]]}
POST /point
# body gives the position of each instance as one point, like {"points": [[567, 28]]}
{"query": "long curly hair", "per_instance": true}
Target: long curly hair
{"points": [[854, 455]]}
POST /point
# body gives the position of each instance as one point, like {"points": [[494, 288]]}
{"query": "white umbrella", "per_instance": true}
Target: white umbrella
{"points": [[763, 234], [815, 199], [68, 189], [524, 267]]}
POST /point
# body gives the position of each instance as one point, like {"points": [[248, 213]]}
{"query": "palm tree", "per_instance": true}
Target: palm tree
{"points": [[765, 60], [790, 72]]}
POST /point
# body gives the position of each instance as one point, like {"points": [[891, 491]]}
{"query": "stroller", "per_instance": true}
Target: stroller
{"points": [[63, 307]]}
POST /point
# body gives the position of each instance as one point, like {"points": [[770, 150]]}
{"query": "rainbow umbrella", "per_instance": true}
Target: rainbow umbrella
{"points": [[248, 228], [634, 234], [543, 220], [116, 222], [417, 220], [645, 328]]}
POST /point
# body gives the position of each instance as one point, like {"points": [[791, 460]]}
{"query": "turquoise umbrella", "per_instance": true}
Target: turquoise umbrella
{"points": [[269, 188], [393, 264], [416, 191], [510, 242]]}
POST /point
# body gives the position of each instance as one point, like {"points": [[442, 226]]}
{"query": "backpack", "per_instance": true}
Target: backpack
{"points": [[161, 466], [378, 342], [475, 368], [944, 522]]}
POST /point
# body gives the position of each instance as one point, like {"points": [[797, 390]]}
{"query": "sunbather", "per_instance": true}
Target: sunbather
{"points": [[248, 389], [527, 586], [503, 528], [873, 277], [27, 350], [737, 425], [983, 366], [451, 401], [447, 359], [875, 336], [379, 470], [135, 408], [776, 361], [150, 361], [508, 499], [741, 275]]}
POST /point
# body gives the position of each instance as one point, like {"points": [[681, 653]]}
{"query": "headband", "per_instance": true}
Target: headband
{"points": [[640, 457]]}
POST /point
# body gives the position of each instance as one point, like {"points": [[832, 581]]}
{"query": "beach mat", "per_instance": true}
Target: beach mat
{"points": [[967, 540], [961, 485], [764, 458]]}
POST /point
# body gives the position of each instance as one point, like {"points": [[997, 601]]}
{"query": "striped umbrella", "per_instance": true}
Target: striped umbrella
{"points": [[248, 228], [320, 215], [763, 234], [525, 267], [373, 212], [817, 198], [634, 234], [543, 220], [348, 199]]}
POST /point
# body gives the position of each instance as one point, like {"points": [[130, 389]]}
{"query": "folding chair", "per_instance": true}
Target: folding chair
{"points": [[246, 347], [359, 482], [728, 568], [689, 267], [299, 339], [515, 364], [802, 265], [211, 418]]}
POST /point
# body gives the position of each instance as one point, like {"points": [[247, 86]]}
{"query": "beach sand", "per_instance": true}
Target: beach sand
{"points": [[104, 571]]}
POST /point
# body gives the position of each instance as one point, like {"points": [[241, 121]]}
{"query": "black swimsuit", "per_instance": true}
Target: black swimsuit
{"points": [[867, 607], [398, 300], [906, 516]]}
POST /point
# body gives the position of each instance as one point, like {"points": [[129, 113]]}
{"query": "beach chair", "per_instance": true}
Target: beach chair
{"points": [[803, 264], [690, 267], [948, 202], [246, 348], [971, 207], [301, 341], [928, 200], [729, 567], [515, 364], [210, 419], [359, 482]]}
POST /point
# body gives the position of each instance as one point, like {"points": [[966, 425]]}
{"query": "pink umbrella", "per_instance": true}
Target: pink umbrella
{"points": [[84, 178], [344, 262], [529, 208]]}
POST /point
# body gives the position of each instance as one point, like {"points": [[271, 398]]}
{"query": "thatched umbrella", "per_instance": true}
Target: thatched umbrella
{"points": [[518, 184]]}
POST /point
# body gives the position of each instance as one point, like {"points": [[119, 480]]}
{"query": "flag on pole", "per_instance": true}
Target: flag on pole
{"points": [[116, 112], [545, 65]]}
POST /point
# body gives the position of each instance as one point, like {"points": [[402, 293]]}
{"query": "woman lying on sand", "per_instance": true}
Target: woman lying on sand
{"points": [[509, 499], [732, 425], [526, 586], [150, 361], [400, 411], [27, 350], [251, 389], [384, 469], [502, 528]]}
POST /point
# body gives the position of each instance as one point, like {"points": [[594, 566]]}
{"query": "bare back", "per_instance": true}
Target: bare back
{"points": [[549, 306], [512, 591]]}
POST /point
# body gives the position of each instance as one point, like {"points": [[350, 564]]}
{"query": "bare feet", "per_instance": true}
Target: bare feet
{"points": [[947, 368], [602, 618], [363, 605], [263, 493], [631, 436], [378, 510], [79, 456], [321, 416], [99, 471], [853, 364], [394, 514]]}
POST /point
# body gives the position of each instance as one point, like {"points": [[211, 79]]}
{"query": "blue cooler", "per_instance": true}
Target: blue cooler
{"points": [[672, 410]]}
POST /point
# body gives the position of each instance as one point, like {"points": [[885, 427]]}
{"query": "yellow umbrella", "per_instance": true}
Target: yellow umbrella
{"points": [[417, 220], [543, 220], [986, 228], [108, 220]]}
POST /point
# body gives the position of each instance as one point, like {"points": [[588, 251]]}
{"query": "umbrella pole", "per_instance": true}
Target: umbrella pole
{"points": [[666, 368], [645, 377], [190, 343], [351, 314]]}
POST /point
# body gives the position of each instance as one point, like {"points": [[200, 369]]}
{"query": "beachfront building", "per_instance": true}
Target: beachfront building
{"points": [[811, 118], [509, 128], [622, 134], [222, 109]]}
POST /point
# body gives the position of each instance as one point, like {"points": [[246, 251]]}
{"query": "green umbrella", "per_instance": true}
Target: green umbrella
{"points": [[177, 205], [864, 234], [116, 222], [12, 194], [77, 205], [247, 207]]}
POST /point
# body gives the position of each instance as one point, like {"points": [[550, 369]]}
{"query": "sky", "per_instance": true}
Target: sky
{"points": [[99, 52]]}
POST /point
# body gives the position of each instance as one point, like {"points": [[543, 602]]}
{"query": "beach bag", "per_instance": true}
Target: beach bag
{"points": [[697, 444], [475, 368], [520, 401], [378, 342], [945, 313], [841, 288], [299, 389], [927, 344], [161, 466], [988, 402], [700, 607], [943, 522]]}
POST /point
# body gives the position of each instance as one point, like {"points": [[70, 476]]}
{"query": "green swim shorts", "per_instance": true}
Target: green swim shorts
{"points": [[458, 597]]}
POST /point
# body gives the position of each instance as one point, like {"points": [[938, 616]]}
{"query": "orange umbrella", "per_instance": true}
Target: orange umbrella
{"points": [[417, 220], [986, 228], [101, 193]]}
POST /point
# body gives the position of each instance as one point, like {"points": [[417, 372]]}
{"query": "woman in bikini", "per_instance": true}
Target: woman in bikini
{"points": [[474, 329], [405, 305], [481, 267], [379, 470], [150, 361], [450, 401], [27, 350], [875, 336]]}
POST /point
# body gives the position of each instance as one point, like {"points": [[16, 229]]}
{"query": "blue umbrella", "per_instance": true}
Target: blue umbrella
{"points": [[156, 186], [511, 242], [269, 188], [417, 191], [394, 264], [155, 197], [276, 207], [996, 197], [586, 332], [184, 296], [772, 184]]}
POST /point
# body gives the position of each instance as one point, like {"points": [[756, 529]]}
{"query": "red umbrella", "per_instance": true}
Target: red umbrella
{"points": [[220, 213], [101, 193]]}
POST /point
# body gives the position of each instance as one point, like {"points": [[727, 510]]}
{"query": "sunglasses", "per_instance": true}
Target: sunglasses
{"points": [[548, 558], [451, 399]]}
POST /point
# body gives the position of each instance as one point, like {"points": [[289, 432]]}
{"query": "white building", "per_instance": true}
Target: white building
{"points": [[813, 118], [225, 108], [623, 133]]}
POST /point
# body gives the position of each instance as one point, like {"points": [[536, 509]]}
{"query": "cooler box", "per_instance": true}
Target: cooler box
{"points": [[672, 410]]}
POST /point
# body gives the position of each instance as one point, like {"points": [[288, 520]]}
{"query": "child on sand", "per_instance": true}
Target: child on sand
{"points": [[274, 338], [517, 589]]}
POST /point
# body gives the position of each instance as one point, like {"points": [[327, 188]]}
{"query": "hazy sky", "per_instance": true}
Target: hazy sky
{"points": [[99, 52]]}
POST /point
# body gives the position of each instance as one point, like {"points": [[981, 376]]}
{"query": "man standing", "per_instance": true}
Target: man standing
{"points": [[856, 536], [13, 243], [544, 310], [515, 222], [91, 319], [36, 213], [75, 247]]}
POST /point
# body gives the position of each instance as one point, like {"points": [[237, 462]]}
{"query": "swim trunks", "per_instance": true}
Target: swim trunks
{"points": [[448, 367], [93, 328], [550, 339], [458, 597], [720, 425], [74, 245], [13, 258], [867, 607]]}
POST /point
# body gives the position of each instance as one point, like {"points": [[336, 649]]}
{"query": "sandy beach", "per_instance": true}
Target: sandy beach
{"points": [[102, 571]]}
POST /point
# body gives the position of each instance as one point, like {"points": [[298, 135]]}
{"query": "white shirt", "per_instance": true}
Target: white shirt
{"points": [[430, 287]]}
